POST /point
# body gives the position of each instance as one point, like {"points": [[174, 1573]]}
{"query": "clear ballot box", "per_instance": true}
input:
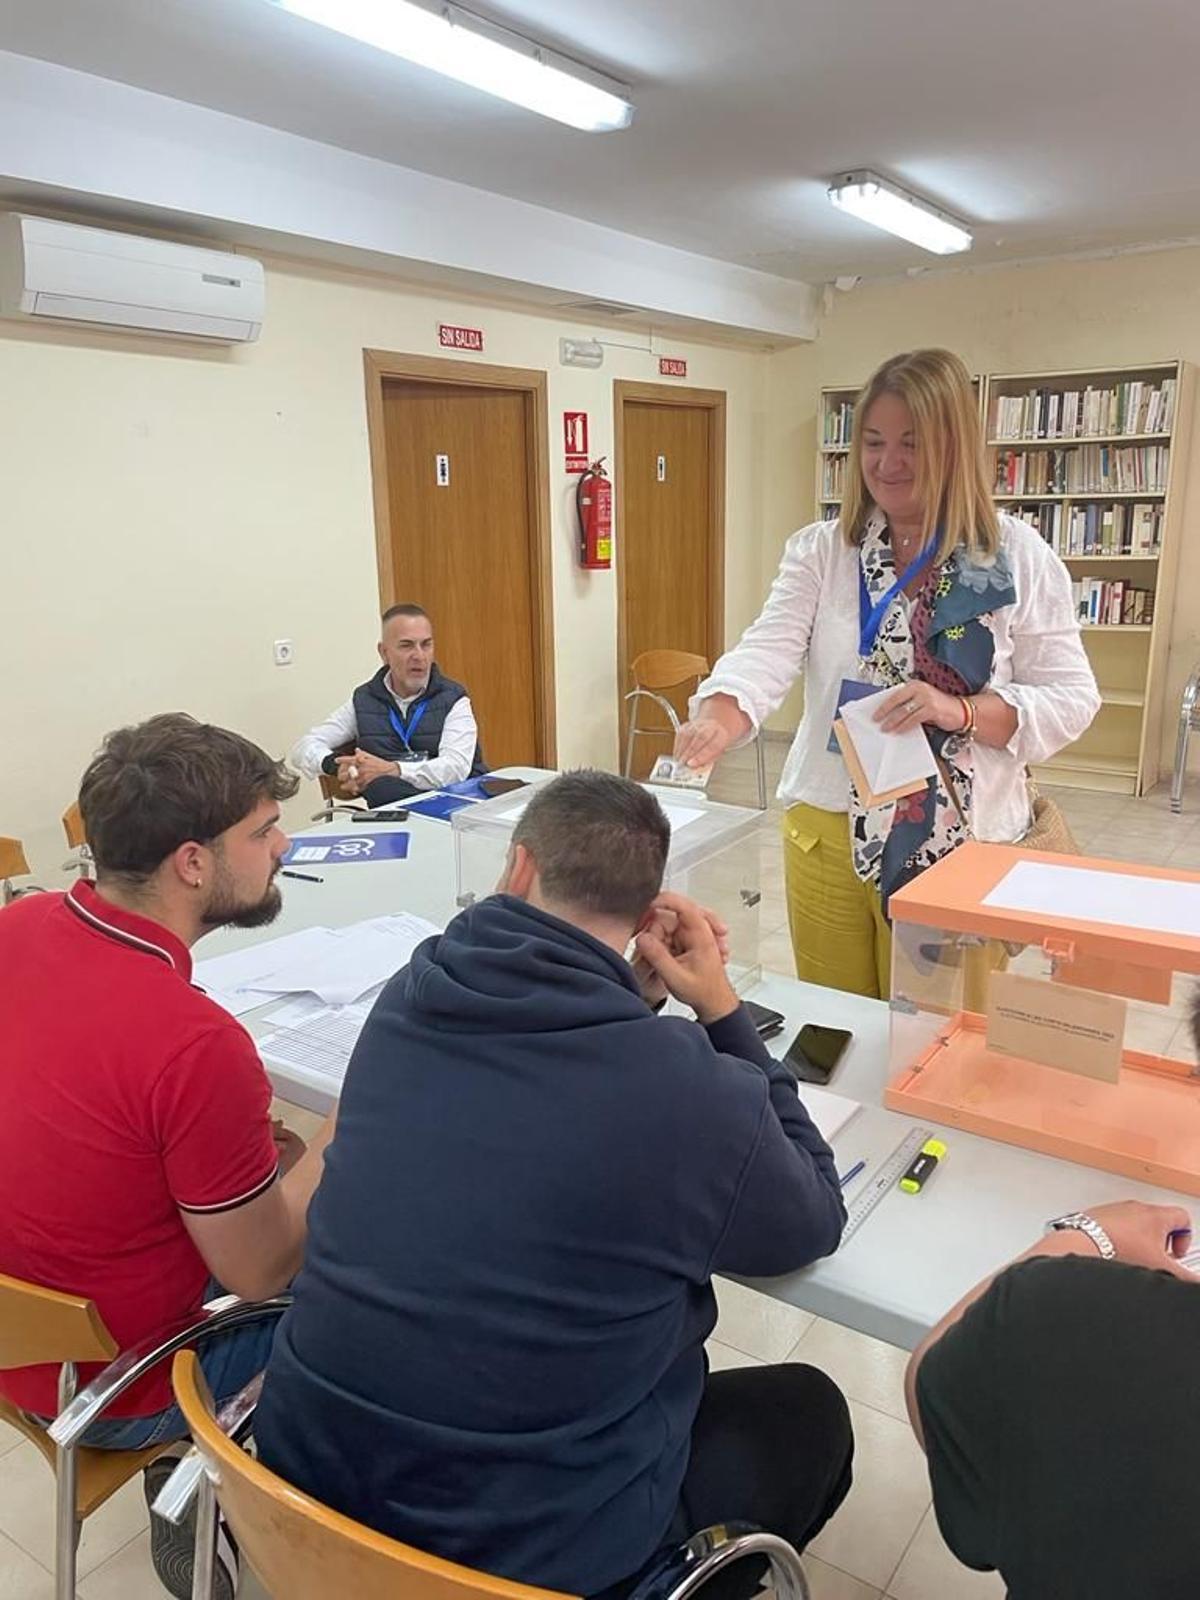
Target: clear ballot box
{"points": [[714, 859], [1043, 999]]}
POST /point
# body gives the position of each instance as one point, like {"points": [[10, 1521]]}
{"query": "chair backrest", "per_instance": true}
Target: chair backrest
{"points": [[72, 821], [12, 859], [42, 1325], [332, 789], [300, 1548], [666, 669]]}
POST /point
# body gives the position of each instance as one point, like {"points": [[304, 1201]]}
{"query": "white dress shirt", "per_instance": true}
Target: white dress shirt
{"points": [[456, 748], [810, 625]]}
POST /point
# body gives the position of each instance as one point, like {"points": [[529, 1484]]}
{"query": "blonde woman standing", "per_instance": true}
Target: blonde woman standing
{"points": [[922, 588]]}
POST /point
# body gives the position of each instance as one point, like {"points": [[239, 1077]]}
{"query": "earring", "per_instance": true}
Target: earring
{"points": [[197, 883]]}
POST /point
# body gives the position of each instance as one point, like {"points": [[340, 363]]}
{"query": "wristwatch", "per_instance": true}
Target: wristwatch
{"points": [[1082, 1223]]}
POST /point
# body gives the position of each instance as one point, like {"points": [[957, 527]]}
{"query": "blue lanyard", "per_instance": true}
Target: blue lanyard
{"points": [[870, 617], [413, 723]]}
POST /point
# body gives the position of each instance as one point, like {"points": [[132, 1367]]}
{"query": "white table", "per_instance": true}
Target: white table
{"points": [[913, 1257]]}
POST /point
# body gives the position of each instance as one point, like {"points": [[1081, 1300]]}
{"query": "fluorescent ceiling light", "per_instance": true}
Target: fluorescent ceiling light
{"points": [[873, 199], [458, 44]]}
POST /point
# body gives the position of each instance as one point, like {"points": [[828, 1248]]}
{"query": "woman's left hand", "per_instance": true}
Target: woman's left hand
{"points": [[916, 703]]}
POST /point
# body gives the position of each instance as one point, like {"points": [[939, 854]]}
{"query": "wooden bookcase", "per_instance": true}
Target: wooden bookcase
{"points": [[1121, 750]]}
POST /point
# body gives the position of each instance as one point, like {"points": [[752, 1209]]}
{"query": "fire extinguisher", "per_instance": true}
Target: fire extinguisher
{"points": [[593, 502]]}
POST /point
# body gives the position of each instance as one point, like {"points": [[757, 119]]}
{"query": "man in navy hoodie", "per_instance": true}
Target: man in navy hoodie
{"points": [[496, 1351]]}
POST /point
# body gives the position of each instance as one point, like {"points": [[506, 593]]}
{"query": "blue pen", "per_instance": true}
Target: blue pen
{"points": [[848, 1177]]}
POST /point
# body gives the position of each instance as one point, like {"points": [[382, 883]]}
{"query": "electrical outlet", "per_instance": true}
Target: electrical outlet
{"points": [[285, 652]]}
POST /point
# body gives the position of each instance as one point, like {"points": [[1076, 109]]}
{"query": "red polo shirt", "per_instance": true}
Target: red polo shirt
{"points": [[126, 1097]]}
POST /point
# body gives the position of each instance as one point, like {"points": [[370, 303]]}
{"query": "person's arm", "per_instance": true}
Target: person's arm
{"points": [[456, 751], [1053, 692], [210, 1120], [339, 728], [751, 681], [1143, 1235], [788, 1210], [256, 1249]]}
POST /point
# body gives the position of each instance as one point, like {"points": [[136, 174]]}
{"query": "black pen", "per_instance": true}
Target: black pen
{"points": [[305, 877]]}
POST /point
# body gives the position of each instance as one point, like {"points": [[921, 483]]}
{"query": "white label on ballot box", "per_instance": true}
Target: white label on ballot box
{"points": [[1073, 1029]]}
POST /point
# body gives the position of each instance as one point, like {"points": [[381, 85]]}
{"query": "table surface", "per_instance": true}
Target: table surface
{"points": [[913, 1257]]}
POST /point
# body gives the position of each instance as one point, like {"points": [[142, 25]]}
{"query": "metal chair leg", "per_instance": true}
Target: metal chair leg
{"points": [[1186, 712], [66, 1529], [761, 765], [66, 1478], [204, 1568]]}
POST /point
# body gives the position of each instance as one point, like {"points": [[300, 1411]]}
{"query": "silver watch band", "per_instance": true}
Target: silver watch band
{"points": [[1082, 1223]]}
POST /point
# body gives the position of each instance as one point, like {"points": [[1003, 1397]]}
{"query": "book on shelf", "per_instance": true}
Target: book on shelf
{"points": [[1102, 602], [1084, 469], [833, 477], [1133, 407], [1124, 528], [839, 420]]}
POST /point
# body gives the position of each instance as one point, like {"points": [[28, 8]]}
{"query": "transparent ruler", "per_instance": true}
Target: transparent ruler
{"points": [[883, 1180]]}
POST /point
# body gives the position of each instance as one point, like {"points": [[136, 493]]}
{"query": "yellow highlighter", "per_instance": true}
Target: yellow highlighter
{"points": [[923, 1166]]}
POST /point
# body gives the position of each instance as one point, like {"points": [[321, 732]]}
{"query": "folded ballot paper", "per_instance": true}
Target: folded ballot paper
{"points": [[883, 766]]}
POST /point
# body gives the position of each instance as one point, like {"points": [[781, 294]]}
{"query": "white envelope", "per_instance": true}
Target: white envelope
{"points": [[889, 761]]}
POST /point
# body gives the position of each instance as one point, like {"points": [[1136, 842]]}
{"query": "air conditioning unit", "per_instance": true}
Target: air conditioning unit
{"points": [[121, 280]]}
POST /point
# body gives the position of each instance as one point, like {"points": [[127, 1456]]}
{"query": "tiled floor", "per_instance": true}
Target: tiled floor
{"points": [[884, 1541]]}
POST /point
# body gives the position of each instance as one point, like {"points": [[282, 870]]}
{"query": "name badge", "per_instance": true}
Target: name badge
{"points": [[850, 690], [411, 757]]}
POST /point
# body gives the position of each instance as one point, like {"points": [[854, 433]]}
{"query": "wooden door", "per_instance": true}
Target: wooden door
{"points": [[462, 535], [670, 486]]}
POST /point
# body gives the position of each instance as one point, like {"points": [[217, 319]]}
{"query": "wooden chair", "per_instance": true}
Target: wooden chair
{"points": [[12, 865], [654, 673], [334, 793], [81, 862], [38, 1325], [300, 1548]]}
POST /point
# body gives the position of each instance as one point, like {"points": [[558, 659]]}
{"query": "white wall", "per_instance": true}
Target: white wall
{"points": [[170, 510], [1119, 311]]}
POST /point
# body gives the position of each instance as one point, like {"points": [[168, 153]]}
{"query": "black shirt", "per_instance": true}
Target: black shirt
{"points": [[1062, 1427]]}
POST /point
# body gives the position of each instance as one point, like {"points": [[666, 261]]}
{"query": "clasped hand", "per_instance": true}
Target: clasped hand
{"points": [[681, 950], [357, 771]]}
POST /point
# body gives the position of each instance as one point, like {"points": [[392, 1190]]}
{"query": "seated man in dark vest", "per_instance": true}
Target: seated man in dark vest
{"points": [[406, 730]]}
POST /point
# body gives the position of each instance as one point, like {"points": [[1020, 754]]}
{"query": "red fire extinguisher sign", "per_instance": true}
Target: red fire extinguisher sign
{"points": [[575, 440]]}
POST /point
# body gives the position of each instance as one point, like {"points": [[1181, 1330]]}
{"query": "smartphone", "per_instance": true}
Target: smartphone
{"points": [[494, 786], [767, 1023], [815, 1052]]}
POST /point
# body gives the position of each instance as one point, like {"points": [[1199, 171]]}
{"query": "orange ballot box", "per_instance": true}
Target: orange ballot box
{"points": [[1028, 994]]}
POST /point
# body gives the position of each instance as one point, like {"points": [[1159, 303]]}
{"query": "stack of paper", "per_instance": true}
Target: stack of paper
{"points": [[339, 965], [883, 766]]}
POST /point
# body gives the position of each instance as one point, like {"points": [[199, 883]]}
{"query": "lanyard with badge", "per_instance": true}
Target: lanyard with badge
{"points": [[406, 733], [870, 621]]}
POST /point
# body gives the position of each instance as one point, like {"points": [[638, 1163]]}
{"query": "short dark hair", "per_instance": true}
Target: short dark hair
{"points": [[600, 842], [162, 782], [406, 608]]}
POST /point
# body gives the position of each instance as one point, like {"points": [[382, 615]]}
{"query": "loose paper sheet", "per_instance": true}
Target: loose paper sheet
{"points": [[1059, 1027], [830, 1112], [1086, 894]]}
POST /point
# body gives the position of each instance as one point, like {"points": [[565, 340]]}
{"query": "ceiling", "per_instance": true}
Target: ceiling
{"points": [[1051, 126]]}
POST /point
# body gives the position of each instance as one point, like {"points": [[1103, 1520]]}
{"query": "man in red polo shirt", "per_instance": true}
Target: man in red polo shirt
{"points": [[137, 1155]]}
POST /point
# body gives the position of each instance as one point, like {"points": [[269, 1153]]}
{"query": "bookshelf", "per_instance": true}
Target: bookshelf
{"points": [[1089, 458]]}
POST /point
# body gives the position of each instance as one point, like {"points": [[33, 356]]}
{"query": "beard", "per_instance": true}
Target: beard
{"points": [[225, 909]]}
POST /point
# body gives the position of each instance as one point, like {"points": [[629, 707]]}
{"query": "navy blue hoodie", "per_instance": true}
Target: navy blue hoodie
{"points": [[496, 1348]]}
